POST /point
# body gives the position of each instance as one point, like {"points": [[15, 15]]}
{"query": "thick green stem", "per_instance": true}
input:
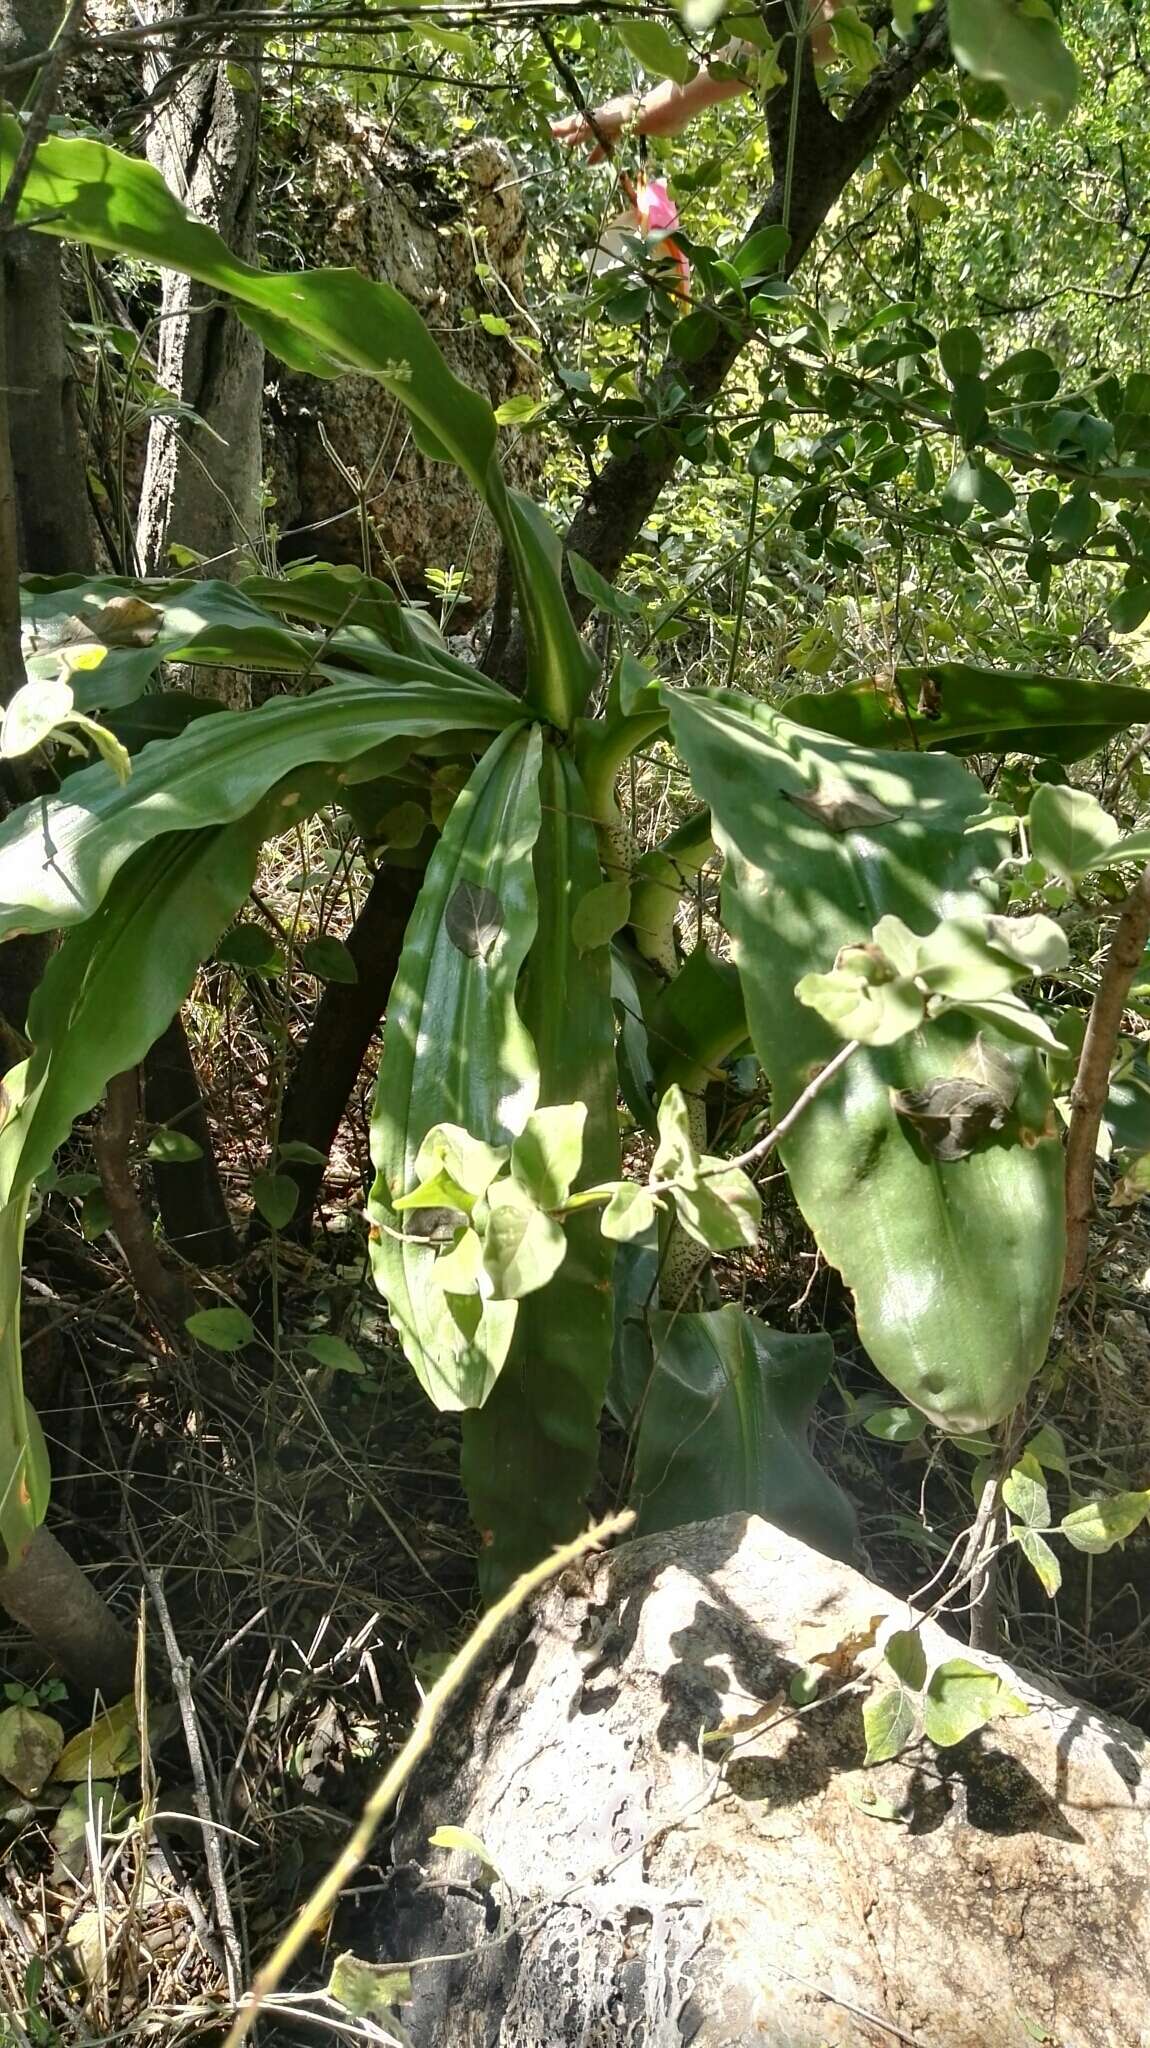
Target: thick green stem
{"points": [[662, 878]]}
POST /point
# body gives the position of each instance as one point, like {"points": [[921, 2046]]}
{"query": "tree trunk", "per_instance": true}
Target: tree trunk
{"points": [[201, 485], [640, 1882], [202, 482], [54, 534], [326, 1071], [44, 523], [49, 1596], [191, 1199]]}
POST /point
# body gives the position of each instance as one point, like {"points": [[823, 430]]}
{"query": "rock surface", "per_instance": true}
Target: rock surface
{"points": [[656, 1891], [350, 196]]}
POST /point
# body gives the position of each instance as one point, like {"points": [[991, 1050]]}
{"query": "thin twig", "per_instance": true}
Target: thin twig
{"points": [[1092, 1081], [51, 78], [418, 1742], [213, 1852], [786, 1123]]}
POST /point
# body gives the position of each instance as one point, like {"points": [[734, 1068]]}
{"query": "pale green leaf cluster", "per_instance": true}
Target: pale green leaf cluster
{"points": [[881, 990], [945, 1707]]}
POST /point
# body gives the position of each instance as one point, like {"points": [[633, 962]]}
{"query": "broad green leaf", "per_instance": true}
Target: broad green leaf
{"points": [[853, 38], [297, 1153], [95, 1215], [547, 1154], [955, 1266], [1069, 830], [1133, 846], [450, 1155], [974, 710], [276, 1196], [630, 1213], [457, 1051], [963, 1696], [59, 855], [1101, 1524], [638, 687], [221, 1329], [522, 1246], [697, 1020], [329, 959], [895, 1425], [35, 711], [1041, 1558], [960, 352], [890, 1716], [599, 914], [716, 1203], [657, 51], [863, 997], [1047, 1447], [905, 1656], [973, 483], [596, 589], [1015, 44], [1024, 1491], [530, 1455], [1076, 519], [1130, 606], [335, 1353], [173, 1148], [722, 1428], [461, 1270], [158, 921], [518, 411], [250, 948]]}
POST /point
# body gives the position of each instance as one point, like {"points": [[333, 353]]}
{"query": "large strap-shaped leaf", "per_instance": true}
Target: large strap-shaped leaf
{"points": [[956, 1266], [530, 1454], [111, 633], [971, 710], [721, 1428], [456, 1051], [105, 997], [325, 322], [59, 855]]}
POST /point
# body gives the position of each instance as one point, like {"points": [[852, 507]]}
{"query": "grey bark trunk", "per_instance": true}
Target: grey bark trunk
{"points": [[202, 482]]}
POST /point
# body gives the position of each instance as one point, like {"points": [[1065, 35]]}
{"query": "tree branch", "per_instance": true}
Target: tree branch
{"points": [[1092, 1081], [828, 153]]}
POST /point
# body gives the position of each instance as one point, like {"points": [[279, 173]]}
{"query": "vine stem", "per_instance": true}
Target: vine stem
{"points": [[1092, 1081]]}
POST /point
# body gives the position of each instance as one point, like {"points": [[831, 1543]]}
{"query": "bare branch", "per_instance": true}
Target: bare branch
{"points": [[1092, 1081]]}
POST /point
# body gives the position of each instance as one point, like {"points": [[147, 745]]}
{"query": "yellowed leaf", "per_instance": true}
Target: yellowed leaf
{"points": [[105, 1750], [368, 1990], [127, 622], [30, 1743], [85, 1941], [837, 1645], [746, 1724]]}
